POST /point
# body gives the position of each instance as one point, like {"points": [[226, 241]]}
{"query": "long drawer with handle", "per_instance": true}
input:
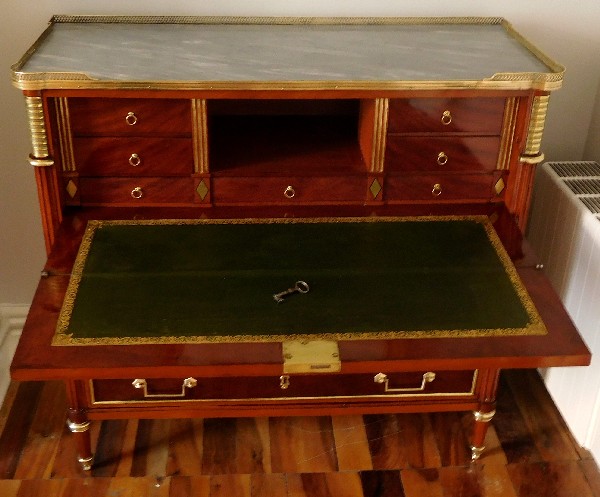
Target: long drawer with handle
{"points": [[395, 386]]}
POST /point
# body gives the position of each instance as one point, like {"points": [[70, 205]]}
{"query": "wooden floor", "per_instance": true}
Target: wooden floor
{"points": [[529, 453]]}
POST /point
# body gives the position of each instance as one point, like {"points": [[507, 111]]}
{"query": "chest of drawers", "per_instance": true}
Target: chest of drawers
{"points": [[283, 118]]}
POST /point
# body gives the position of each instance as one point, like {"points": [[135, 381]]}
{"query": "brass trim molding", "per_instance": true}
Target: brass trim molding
{"points": [[539, 110], [64, 135], [508, 133], [546, 81], [37, 132], [200, 135], [379, 134]]}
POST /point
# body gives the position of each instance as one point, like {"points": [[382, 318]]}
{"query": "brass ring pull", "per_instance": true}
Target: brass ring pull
{"points": [[141, 383], [131, 118], [446, 117], [382, 378], [137, 192], [284, 382], [436, 190], [442, 159], [135, 160], [289, 192]]}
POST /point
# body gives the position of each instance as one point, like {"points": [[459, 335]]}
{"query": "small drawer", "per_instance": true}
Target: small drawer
{"points": [[130, 117], [136, 191], [289, 190], [134, 156], [294, 387], [446, 115], [473, 154], [440, 188]]}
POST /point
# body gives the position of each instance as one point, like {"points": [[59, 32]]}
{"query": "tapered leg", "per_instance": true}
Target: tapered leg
{"points": [[482, 422], [79, 426]]}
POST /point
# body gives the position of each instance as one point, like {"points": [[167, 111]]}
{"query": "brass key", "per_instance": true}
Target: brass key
{"points": [[299, 287]]}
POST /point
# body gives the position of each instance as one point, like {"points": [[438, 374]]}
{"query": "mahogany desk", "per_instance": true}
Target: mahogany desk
{"points": [[191, 118]]}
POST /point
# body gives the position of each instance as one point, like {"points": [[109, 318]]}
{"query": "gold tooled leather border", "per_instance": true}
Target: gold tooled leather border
{"points": [[63, 337], [549, 81]]}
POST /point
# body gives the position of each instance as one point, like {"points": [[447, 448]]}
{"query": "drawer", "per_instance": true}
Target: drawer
{"points": [[294, 387], [409, 153], [446, 115], [317, 189], [134, 156], [130, 117], [439, 188], [136, 191]]}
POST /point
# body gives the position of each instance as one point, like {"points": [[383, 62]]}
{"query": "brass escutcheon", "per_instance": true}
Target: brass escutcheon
{"points": [[436, 191]]}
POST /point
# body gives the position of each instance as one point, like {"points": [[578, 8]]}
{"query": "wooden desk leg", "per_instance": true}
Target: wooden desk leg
{"points": [[482, 421], [79, 426]]}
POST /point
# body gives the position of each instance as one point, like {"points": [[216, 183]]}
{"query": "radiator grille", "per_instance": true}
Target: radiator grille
{"points": [[583, 179], [581, 168]]}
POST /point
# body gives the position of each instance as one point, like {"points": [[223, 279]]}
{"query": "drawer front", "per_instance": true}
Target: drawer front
{"points": [[439, 188], [441, 384], [289, 190], [134, 156], [446, 115], [130, 117], [136, 191], [474, 154]]}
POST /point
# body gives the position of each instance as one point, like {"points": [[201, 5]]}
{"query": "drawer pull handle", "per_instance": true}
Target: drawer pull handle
{"points": [[442, 159], [135, 160], [446, 117], [131, 118], [289, 192], [436, 191], [284, 382], [137, 192], [382, 378], [141, 383]]}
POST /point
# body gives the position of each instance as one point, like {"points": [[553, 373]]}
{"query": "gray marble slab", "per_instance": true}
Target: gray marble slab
{"points": [[267, 53]]}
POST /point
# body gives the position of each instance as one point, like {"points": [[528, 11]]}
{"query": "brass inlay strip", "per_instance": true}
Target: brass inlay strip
{"points": [[200, 135], [63, 337], [551, 80], [379, 134], [37, 132], [511, 109], [537, 122], [64, 134], [290, 398]]}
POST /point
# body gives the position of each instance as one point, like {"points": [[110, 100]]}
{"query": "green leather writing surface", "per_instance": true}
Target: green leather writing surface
{"points": [[178, 281]]}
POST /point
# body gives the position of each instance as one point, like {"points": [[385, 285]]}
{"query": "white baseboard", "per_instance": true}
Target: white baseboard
{"points": [[12, 320]]}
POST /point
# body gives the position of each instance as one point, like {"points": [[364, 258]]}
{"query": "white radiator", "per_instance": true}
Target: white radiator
{"points": [[564, 230]]}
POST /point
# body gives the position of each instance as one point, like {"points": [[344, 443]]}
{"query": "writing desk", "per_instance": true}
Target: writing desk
{"points": [[334, 127]]}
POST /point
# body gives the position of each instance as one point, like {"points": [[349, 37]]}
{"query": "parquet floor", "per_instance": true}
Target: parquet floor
{"points": [[530, 453]]}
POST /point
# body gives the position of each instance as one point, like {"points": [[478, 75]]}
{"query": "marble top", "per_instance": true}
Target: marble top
{"points": [[104, 52]]}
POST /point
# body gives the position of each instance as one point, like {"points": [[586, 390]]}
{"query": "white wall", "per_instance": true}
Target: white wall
{"points": [[567, 32], [592, 148]]}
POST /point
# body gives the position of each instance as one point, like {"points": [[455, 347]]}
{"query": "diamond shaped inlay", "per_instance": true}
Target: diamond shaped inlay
{"points": [[375, 188], [499, 186], [71, 188], [202, 190]]}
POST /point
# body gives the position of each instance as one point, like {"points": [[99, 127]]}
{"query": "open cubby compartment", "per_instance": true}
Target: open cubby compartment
{"points": [[298, 137]]}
